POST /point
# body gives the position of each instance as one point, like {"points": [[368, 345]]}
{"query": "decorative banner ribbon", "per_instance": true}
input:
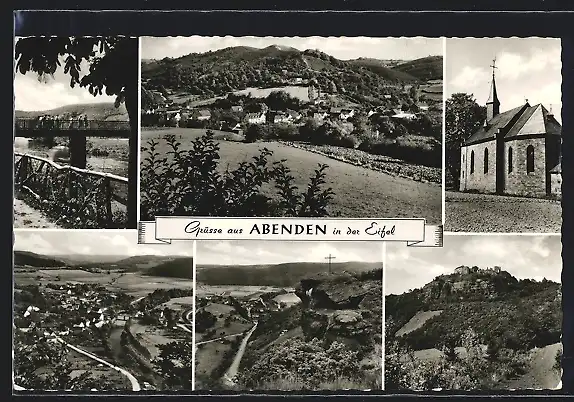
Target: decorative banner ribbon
{"points": [[415, 232]]}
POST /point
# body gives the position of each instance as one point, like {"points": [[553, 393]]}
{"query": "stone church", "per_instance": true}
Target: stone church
{"points": [[516, 152]]}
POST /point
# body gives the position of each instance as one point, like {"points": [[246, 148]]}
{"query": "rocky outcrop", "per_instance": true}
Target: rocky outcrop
{"points": [[339, 292], [340, 306]]}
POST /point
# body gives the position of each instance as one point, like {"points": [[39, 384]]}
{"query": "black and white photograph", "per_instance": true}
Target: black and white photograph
{"points": [[345, 127], [481, 313], [76, 132], [95, 311], [288, 316], [503, 135]]}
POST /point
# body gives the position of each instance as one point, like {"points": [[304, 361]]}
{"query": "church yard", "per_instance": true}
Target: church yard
{"points": [[470, 212]]}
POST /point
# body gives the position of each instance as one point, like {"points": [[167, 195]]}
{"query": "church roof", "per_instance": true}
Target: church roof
{"points": [[500, 121], [520, 121]]}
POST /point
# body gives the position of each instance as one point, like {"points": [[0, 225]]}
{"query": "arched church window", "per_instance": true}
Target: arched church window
{"points": [[471, 161], [485, 160], [510, 162], [529, 159]]}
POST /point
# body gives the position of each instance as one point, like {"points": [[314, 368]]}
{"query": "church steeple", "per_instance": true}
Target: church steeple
{"points": [[492, 104]]}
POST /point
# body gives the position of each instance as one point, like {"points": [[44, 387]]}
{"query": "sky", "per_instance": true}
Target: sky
{"points": [[527, 68], [342, 48], [534, 257], [92, 243], [253, 252], [33, 94]]}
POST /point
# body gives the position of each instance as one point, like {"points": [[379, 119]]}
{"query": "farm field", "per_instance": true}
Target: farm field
{"points": [[494, 213], [358, 192], [151, 337], [131, 283], [417, 322], [234, 290], [295, 91]]}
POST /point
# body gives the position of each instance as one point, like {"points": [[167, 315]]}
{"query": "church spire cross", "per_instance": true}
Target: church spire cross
{"points": [[493, 65]]}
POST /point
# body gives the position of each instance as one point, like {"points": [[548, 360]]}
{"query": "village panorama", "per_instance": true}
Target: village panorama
{"points": [[291, 127], [91, 322]]}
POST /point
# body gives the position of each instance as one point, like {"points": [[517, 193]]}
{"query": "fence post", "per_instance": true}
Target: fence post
{"points": [[23, 168]]}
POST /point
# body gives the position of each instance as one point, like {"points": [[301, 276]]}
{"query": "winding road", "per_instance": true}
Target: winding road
{"points": [[135, 384], [541, 374], [231, 373]]}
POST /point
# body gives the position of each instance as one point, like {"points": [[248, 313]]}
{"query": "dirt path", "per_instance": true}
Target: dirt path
{"points": [[27, 217], [541, 374], [231, 373]]}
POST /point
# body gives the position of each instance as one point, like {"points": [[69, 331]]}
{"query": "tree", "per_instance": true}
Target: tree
{"points": [[463, 117], [174, 365], [114, 66]]}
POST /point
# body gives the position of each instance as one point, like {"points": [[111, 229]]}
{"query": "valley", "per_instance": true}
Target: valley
{"points": [[246, 335], [107, 329]]}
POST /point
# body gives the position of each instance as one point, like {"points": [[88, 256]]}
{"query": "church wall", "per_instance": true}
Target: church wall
{"points": [[519, 182], [556, 185], [478, 180]]}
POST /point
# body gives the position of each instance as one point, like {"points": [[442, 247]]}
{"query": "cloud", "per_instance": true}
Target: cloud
{"points": [[522, 256], [469, 76], [120, 243], [265, 252], [512, 65]]}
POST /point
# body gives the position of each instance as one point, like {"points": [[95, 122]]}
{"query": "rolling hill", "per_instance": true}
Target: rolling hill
{"points": [[427, 68], [31, 259], [94, 111], [287, 274], [520, 314], [222, 71]]}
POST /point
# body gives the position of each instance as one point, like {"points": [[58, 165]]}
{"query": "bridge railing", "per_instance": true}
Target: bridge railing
{"points": [[71, 124], [74, 197]]}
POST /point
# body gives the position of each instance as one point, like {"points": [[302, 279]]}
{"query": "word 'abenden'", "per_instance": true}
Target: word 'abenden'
{"points": [[282, 229]]}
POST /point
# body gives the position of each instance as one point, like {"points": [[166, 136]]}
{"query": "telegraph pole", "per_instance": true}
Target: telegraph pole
{"points": [[330, 258]]}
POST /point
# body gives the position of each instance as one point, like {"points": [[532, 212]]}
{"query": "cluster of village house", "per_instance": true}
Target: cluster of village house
{"points": [[86, 307], [175, 115], [254, 303]]}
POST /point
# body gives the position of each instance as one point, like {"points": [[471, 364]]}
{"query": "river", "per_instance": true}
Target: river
{"points": [[229, 376]]}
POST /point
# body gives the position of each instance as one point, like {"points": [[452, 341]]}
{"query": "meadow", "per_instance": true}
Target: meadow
{"points": [[358, 192], [134, 284], [295, 91]]}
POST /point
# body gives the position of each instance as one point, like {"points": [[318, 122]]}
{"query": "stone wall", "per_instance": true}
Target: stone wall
{"points": [[478, 180], [519, 181]]}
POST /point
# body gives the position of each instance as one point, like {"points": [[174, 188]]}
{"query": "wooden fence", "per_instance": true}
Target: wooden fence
{"points": [[80, 197]]}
